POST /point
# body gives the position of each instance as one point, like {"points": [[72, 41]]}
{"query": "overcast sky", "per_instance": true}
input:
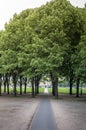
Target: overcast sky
{"points": [[9, 7]]}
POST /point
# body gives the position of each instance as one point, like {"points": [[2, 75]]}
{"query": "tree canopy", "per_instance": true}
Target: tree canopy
{"points": [[50, 39]]}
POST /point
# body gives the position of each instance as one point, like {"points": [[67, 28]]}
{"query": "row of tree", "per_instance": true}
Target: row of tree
{"points": [[46, 40]]}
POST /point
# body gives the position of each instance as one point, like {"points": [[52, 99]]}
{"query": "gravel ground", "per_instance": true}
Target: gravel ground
{"points": [[17, 113], [70, 113]]}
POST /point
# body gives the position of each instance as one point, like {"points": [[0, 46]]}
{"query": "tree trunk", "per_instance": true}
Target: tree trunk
{"points": [[37, 79], [20, 85], [35, 85], [25, 84], [71, 76], [15, 83], [33, 92], [4, 78], [37, 88], [7, 87], [71, 84], [53, 88], [81, 89], [7, 82], [55, 85], [77, 88]]}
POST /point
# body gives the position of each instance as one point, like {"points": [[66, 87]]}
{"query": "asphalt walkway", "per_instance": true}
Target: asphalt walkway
{"points": [[44, 118]]}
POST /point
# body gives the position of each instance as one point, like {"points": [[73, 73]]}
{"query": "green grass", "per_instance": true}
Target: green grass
{"points": [[41, 90], [65, 90], [49, 90], [17, 89], [61, 90], [29, 89]]}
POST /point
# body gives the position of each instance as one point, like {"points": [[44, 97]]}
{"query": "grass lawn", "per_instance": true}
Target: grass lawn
{"points": [[62, 90], [29, 90], [18, 90], [65, 90], [41, 90]]}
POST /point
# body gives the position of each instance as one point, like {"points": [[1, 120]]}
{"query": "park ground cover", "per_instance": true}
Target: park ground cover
{"points": [[65, 90], [29, 90], [61, 90]]}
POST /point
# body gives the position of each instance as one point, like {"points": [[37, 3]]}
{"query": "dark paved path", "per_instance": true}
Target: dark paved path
{"points": [[44, 118]]}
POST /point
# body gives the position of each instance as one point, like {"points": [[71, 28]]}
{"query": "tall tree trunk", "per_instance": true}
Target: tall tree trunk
{"points": [[35, 85], [15, 83], [71, 84], [81, 90], [33, 90], [25, 85], [4, 78], [38, 87], [77, 88], [20, 85], [0, 83], [7, 87], [4, 87], [37, 79], [53, 88], [71, 76], [55, 85], [51, 76], [7, 82]]}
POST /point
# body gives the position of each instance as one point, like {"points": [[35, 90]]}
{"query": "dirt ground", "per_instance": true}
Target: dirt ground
{"points": [[17, 113], [70, 113]]}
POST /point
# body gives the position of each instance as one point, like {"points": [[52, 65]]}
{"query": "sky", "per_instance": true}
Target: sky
{"points": [[9, 7]]}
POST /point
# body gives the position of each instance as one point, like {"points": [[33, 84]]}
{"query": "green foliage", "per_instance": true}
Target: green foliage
{"points": [[48, 39]]}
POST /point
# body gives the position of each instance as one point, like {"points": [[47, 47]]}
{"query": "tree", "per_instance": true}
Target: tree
{"points": [[43, 41]]}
